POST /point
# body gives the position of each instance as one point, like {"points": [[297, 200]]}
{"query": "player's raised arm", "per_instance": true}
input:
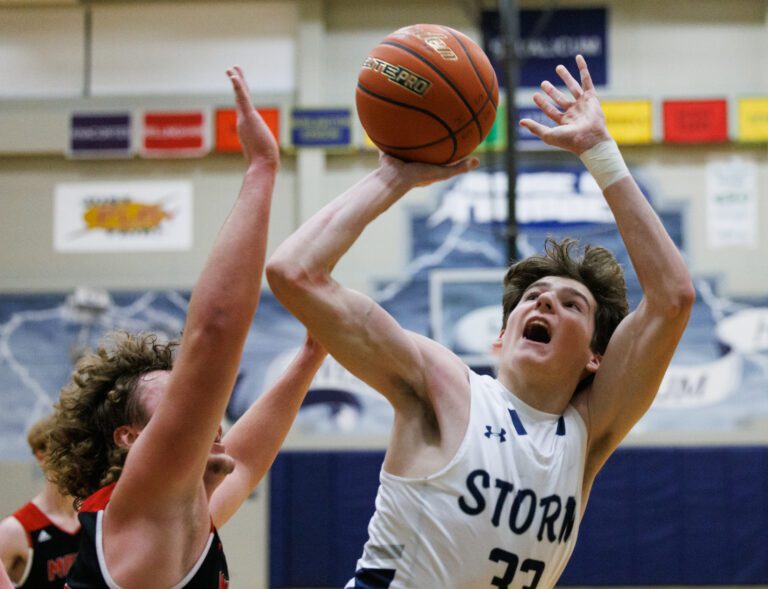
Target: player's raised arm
{"points": [[254, 440], [350, 325], [178, 438], [642, 346]]}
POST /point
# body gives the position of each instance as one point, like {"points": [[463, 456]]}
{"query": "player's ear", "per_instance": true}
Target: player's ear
{"points": [[594, 363], [496, 345], [125, 435]]}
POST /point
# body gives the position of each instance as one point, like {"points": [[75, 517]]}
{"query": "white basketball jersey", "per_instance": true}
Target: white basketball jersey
{"points": [[503, 513]]}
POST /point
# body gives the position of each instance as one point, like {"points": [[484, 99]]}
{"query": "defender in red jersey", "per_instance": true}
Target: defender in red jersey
{"points": [[39, 542], [137, 436]]}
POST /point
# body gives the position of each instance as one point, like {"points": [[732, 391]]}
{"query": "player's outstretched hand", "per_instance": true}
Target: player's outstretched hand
{"points": [[258, 143], [579, 118], [418, 174]]}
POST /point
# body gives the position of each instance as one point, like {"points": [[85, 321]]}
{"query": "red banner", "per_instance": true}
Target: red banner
{"points": [[174, 134], [695, 121], [226, 127]]}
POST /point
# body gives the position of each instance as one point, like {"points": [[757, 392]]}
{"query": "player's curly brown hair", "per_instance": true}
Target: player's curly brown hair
{"points": [[594, 266], [82, 455]]}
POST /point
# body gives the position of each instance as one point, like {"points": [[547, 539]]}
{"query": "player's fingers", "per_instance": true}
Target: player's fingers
{"points": [[240, 73], [548, 108], [242, 96], [586, 78], [570, 81], [558, 97], [466, 165], [536, 128]]}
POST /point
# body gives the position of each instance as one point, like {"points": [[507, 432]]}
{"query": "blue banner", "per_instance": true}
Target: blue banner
{"points": [[105, 134], [548, 38], [524, 136], [451, 290], [321, 128]]}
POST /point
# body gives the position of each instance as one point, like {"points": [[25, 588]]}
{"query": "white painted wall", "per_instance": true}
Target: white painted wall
{"points": [[309, 52]]}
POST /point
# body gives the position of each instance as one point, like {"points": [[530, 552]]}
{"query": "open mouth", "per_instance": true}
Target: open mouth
{"points": [[537, 331]]}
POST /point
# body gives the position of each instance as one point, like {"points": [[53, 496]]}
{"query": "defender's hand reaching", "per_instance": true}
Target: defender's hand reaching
{"points": [[580, 120], [259, 145]]}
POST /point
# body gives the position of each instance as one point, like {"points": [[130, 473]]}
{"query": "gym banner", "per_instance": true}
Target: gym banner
{"points": [[227, 140], [526, 139], [629, 121], [753, 119], [732, 204], [695, 121], [496, 140], [548, 38], [122, 216], [174, 134], [102, 134], [321, 127]]}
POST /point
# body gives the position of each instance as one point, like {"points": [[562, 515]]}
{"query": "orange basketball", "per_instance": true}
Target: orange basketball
{"points": [[427, 93]]}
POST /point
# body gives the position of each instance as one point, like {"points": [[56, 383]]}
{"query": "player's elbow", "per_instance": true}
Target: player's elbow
{"points": [[682, 299], [281, 276], [288, 279]]}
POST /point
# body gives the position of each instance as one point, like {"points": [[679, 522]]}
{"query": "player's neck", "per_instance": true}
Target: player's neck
{"points": [[542, 393], [53, 503]]}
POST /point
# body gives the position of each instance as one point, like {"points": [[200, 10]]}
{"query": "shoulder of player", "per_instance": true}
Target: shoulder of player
{"points": [[13, 537], [443, 398], [443, 374]]}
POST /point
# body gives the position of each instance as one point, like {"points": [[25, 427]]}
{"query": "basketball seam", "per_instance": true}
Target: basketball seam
{"points": [[488, 92], [445, 78], [450, 135]]}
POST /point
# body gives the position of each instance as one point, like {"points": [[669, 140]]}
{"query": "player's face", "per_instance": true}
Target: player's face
{"points": [[551, 328], [152, 389]]}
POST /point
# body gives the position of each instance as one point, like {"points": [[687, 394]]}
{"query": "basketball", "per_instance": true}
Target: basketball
{"points": [[427, 93]]}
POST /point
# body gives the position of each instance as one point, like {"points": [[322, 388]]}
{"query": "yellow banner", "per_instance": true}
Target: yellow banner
{"points": [[367, 143], [629, 121], [753, 119]]}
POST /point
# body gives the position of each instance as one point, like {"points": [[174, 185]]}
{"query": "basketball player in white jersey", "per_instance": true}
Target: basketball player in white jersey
{"points": [[485, 480]]}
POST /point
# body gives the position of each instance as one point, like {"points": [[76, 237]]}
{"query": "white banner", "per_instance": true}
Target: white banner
{"points": [[700, 385], [732, 204], [542, 197], [122, 216]]}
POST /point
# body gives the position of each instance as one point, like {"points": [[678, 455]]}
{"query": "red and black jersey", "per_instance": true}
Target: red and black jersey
{"points": [[89, 570], [51, 550]]}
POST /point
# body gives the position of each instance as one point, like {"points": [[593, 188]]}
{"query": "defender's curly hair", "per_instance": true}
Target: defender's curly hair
{"points": [[82, 455], [595, 267]]}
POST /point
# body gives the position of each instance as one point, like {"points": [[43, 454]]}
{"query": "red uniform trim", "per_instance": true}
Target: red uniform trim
{"points": [[31, 518], [99, 499]]}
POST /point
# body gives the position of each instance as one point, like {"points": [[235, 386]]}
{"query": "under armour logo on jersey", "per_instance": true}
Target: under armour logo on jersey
{"points": [[501, 434], [43, 536]]}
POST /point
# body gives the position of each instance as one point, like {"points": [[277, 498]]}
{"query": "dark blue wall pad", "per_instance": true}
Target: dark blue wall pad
{"points": [[657, 516]]}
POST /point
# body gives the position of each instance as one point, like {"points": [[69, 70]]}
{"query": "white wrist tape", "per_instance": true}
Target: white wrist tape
{"points": [[605, 163]]}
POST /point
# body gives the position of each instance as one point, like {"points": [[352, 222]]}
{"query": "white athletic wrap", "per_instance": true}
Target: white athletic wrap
{"points": [[605, 163]]}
